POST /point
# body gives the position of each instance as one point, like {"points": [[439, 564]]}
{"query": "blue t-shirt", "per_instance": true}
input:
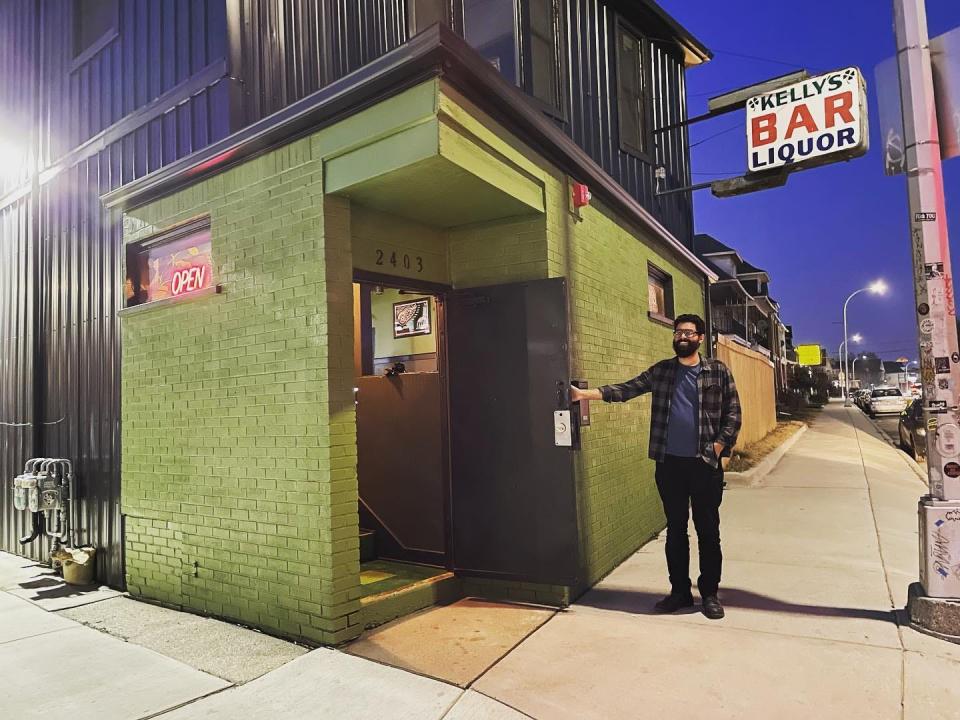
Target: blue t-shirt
{"points": [[683, 427]]}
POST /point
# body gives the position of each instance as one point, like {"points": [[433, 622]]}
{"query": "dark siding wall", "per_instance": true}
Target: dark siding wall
{"points": [[16, 361], [18, 88], [163, 49], [161, 43], [291, 48], [592, 112]]}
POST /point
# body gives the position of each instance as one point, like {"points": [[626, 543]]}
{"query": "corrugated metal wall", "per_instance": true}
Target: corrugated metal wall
{"points": [[592, 112], [291, 48], [161, 43], [16, 361], [109, 103]]}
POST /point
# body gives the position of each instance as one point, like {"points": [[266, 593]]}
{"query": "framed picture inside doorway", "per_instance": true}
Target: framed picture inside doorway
{"points": [[412, 318]]}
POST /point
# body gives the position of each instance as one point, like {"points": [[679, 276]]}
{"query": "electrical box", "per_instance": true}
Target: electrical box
{"points": [[940, 547]]}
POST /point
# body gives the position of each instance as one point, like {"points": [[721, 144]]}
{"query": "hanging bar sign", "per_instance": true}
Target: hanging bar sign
{"points": [[820, 120]]}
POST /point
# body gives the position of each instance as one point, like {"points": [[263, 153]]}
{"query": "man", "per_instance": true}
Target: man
{"points": [[694, 422]]}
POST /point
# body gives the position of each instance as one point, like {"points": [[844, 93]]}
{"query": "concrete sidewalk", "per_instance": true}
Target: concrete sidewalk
{"points": [[818, 557], [817, 560]]}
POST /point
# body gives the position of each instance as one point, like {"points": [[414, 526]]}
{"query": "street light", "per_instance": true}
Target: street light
{"points": [[878, 287], [859, 357], [856, 337]]}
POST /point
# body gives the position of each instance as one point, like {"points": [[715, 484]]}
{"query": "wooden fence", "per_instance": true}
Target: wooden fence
{"points": [[753, 374]]}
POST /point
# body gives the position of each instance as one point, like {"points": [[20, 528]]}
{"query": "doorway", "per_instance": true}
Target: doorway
{"points": [[458, 469], [401, 433]]}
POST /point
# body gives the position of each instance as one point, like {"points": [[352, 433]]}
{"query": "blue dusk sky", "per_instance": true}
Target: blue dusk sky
{"points": [[830, 230]]}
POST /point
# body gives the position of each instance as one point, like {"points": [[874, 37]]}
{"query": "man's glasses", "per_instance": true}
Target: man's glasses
{"points": [[685, 334]]}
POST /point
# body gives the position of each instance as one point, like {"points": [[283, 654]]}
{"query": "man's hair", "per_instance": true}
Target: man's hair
{"points": [[696, 320]]}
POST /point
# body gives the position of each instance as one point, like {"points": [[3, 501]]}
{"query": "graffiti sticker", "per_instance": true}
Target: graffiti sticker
{"points": [[951, 470], [926, 326], [923, 309], [943, 365]]}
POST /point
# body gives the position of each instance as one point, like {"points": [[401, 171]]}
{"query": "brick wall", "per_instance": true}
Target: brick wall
{"points": [[605, 261], [613, 339], [239, 452]]}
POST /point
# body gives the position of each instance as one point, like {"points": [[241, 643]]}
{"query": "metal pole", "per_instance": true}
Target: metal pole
{"points": [[846, 352], [932, 602], [933, 278], [840, 362]]}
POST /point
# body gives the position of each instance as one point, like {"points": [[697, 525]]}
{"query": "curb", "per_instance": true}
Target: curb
{"points": [[756, 474]]}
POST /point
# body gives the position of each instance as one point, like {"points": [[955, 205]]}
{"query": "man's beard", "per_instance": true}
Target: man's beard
{"points": [[685, 348]]}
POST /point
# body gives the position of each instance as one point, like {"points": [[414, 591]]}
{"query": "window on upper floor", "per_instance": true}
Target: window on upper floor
{"points": [[544, 52], [522, 40], [490, 26], [94, 21], [632, 108]]}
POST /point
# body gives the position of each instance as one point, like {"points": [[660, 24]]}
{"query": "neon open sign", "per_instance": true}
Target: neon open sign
{"points": [[171, 269], [188, 280]]}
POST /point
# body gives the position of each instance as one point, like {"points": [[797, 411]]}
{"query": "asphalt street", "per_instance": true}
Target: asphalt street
{"points": [[888, 424]]}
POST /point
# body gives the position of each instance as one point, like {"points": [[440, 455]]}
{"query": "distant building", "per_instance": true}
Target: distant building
{"points": [[741, 305]]}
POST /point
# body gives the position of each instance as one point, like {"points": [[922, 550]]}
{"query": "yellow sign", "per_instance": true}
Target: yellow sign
{"points": [[809, 355]]}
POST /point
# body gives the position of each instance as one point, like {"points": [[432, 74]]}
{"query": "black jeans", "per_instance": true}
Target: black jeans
{"points": [[684, 482]]}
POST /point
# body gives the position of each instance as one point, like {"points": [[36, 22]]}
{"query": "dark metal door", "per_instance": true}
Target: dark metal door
{"points": [[513, 507]]}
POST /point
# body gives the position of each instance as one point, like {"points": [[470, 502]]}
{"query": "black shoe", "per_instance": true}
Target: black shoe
{"points": [[672, 603], [712, 607]]}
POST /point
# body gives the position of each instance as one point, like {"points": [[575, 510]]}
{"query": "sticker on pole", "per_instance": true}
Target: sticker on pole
{"points": [[926, 326], [818, 121], [948, 440]]}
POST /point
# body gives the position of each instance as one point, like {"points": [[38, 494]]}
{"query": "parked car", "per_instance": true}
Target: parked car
{"points": [[913, 434], [859, 398], [886, 400]]}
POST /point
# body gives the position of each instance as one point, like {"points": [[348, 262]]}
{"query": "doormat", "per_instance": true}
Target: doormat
{"points": [[368, 577]]}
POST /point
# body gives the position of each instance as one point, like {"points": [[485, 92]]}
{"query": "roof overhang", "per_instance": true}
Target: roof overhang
{"points": [[435, 52], [694, 51]]}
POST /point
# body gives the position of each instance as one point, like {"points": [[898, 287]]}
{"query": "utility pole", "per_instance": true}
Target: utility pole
{"points": [[930, 605]]}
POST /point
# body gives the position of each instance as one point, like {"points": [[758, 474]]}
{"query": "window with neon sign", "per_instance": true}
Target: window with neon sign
{"points": [[172, 265]]}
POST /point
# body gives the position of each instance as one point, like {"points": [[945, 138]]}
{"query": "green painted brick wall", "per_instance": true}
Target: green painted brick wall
{"points": [[239, 452], [605, 261], [613, 339]]}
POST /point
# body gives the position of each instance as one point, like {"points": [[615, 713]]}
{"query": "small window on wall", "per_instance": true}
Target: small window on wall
{"points": [[95, 22], [172, 265], [490, 26], [631, 87], [660, 293], [544, 52]]}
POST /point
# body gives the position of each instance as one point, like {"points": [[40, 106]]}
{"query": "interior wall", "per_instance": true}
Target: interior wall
{"points": [[388, 349]]}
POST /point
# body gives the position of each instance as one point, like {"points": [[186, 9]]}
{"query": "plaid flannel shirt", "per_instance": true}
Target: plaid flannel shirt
{"points": [[720, 415]]}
